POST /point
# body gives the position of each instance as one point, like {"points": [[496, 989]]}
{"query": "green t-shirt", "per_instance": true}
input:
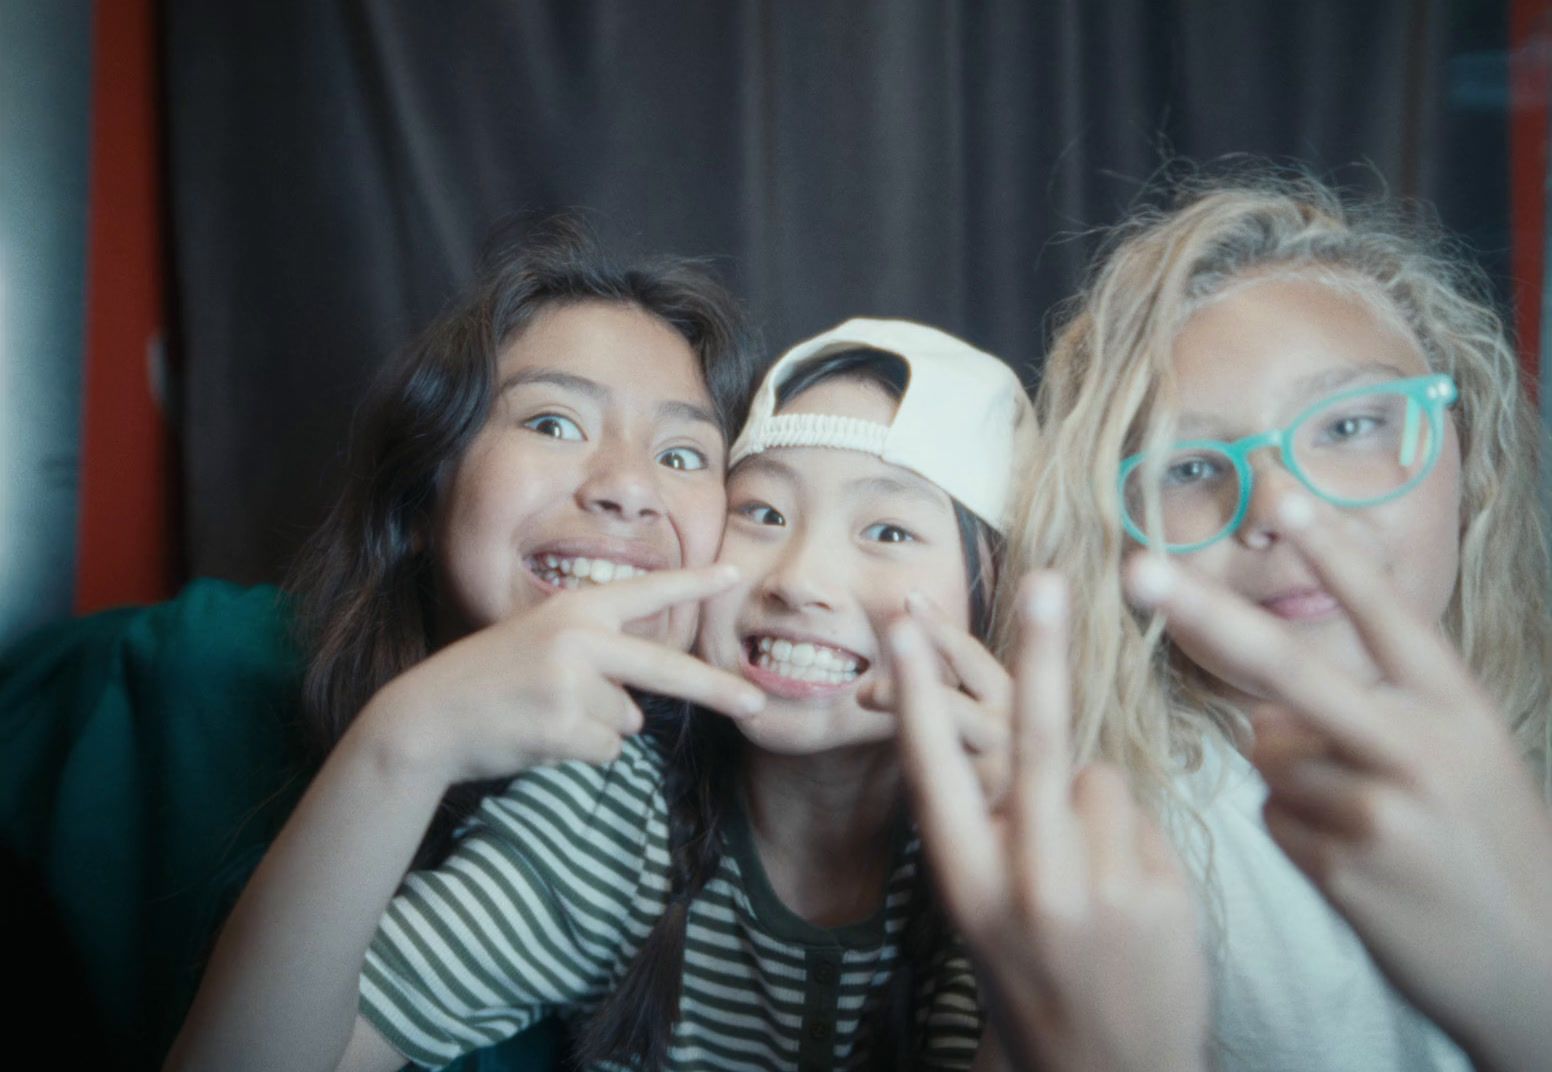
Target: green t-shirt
{"points": [[147, 758]]}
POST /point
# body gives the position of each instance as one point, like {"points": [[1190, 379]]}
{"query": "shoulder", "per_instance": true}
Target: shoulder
{"points": [[204, 683], [213, 633], [630, 786], [566, 817]]}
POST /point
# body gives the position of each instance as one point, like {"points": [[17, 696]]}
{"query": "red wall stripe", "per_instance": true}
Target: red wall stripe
{"points": [[124, 547], [1530, 83]]}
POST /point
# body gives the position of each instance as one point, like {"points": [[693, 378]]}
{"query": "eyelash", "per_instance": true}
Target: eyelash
{"points": [[701, 459], [537, 424], [752, 510], [907, 535]]}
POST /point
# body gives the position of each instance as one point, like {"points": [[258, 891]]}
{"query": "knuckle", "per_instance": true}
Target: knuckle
{"points": [[569, 642]]}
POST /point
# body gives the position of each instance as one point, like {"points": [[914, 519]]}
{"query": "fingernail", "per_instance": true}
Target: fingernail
{"points": [[726, 572], [752, 702], [1152, 579], [1047, 600], [917, 603], [1295, 511]]}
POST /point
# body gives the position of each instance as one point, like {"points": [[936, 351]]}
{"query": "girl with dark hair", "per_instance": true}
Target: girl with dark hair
{"points": [[416, 553], [534, 499], [739, 892]]}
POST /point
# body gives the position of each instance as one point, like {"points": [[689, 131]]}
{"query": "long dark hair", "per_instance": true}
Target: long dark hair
{"points": [[635, 1022], [364, 586]]}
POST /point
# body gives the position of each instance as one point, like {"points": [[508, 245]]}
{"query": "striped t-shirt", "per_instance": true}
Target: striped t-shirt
{"points": [[546, 899]]}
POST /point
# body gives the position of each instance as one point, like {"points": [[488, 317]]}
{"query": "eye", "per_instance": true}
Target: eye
{"points": [[1189, 471], [762, 514], [686, 458], [554, 426], [1351, 427], [884, 532]]}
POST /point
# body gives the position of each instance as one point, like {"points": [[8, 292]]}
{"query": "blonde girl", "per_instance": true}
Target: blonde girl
{"points": [[1224, 353]]}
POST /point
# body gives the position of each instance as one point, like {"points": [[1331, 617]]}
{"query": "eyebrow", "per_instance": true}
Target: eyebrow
{"points": [[888, 485], [1303, 389], [673, 409], [911, 488]]}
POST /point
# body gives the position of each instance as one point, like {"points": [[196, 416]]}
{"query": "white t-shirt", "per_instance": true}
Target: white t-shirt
{"points": [[1295, 989]]}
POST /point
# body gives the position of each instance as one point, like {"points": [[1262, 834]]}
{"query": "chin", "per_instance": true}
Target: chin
{"points": [[785, 728]]}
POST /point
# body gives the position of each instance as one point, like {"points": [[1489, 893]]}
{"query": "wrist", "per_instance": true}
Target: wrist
{"points": [[401, 745], [1514, 1033]]}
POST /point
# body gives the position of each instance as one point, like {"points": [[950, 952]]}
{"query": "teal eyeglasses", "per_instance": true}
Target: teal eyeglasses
{"points": [[1357, 448]]}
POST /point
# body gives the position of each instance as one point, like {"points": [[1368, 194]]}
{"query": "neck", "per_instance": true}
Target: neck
{"points": [[823, 827]]}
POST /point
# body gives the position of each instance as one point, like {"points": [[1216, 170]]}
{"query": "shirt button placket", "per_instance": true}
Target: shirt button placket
{"points": [[816, 1046]]}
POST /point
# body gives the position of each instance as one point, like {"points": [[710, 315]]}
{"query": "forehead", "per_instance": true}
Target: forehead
{"points": [[846, 396], [610, 343], [1265, 337], [836, 479]]}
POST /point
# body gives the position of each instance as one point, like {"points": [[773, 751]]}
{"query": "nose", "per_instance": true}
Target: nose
{"points": [[1261, 527], [621, 483], [802, 576]]}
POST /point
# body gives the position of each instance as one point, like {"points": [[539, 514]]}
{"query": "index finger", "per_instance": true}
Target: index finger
{"points": [[1251, 649], [642, 597], [1045, 838], [1407, 649], [950, 809], [979, 672]]}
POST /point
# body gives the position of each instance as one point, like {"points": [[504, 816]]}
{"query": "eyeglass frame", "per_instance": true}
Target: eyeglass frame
{"points": [[1433, 393]]}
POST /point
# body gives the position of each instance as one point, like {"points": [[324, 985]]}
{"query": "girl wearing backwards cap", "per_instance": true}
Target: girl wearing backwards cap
{"points": [[744, 892]]}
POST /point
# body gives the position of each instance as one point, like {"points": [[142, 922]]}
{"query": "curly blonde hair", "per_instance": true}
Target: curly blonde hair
{"points": [[1135, 702]]}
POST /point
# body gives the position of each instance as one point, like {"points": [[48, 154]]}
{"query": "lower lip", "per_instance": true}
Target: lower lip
{"points": [[786, 688], [540, 583], [1305, 607]]}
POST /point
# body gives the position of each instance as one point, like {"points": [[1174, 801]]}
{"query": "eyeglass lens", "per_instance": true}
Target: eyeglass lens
{"points": [[1351, 451]]}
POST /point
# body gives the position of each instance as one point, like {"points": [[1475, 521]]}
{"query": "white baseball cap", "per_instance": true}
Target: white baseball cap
{"points": [[963, 423]]}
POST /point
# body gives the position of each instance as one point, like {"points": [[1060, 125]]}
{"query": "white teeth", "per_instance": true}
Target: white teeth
{"points": [[570, 572], [806, 673], [805, 661]]}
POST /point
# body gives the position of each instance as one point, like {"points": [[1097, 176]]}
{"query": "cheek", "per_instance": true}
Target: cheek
{"points": [[474, 542], [717, 641], [699, 516], [941, 578], [1426, 541]]}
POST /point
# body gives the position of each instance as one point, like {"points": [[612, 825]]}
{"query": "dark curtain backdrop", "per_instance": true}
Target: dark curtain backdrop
{"points": [[335, 168]]}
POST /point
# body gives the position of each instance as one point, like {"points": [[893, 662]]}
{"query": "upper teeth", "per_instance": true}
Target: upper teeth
{"points": [[565, 572], [806, 662]]}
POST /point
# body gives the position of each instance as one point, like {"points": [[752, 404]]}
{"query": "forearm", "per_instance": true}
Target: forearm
{"points": [[281, 987], [1513, 1032]]}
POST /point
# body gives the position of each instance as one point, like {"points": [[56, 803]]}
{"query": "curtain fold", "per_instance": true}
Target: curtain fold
{"points": [[336, 167]]}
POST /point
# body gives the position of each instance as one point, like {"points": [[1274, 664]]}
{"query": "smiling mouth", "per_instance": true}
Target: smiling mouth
{"points": [[804, 661], [576, 571], [1303, 605]]}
